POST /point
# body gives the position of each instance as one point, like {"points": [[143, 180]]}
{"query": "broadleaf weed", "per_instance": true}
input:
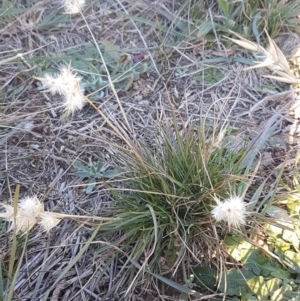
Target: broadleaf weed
{"points": [[101, 170]]}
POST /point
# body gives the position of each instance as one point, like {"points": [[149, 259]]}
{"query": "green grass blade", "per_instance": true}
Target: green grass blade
{"points": [[14, 242], [152, 24], [257, 194], [268, 201], [13, 283], [12, 11], [225, 8], [177, 286], [204, 29]]}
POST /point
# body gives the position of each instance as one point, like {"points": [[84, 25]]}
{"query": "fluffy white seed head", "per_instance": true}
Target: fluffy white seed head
{"points": [[9, 212], [67, 78], [67, 84], [24, 222], [73, 6], [74, 102], [48, 221], [30, 211], [232, 211], [71, 90], [30, 206], [51, 84]]}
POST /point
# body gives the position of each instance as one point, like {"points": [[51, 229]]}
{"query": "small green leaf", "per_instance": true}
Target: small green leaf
{"points": [[281, 274], [293, 259], [90, 187], [83, 174], [230, 23], [100, 163], [234, 283], [80, 167], [263, 289], [210, 75], [110, 174], [111, 49], [259, 264], [246, 31], [249, 297], [224, 7], [205, 277], [204, 29], [253, 267]]}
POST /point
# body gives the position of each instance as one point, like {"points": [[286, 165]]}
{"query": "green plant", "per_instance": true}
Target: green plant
{"points": [[8, 278], [269, 273], [9, 273], [121, 67], [94, 172], [94, 78], [249, 18], [167, 195], [210, 75], [17, 17], [164, 232]]}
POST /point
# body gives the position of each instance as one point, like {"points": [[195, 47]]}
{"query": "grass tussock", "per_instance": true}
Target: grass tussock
{"points": [[180, 196]]}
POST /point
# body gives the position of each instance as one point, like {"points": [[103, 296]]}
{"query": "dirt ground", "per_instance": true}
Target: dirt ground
{"points": [[38, 148]]}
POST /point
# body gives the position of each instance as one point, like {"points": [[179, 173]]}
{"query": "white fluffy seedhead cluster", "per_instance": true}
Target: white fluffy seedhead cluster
{"points": [[30, 212], [73, 6], [232, 211], [67, 84]]}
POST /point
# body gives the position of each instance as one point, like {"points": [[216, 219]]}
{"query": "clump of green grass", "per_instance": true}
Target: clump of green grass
{"points": [[166, 197], [250, 18], [180, 179]]}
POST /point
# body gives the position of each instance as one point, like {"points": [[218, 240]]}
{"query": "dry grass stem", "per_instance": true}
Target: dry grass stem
{"points": [[274, 59]]}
